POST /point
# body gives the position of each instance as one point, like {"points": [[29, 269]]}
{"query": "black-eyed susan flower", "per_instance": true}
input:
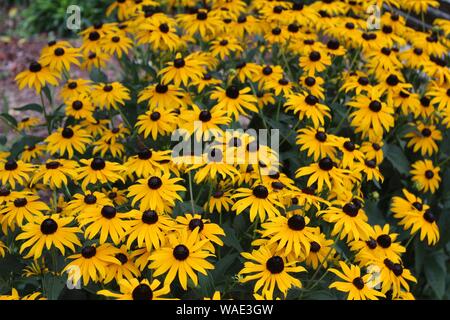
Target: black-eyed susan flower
{"points": [[425, 175], [207, 230], [321, 250], [117, 43], [182, 70], [424, 139], [314, 62], [91, 264], [162, 96], [234, 101], [61, 58], [110, 95], [133, 289], [55, 173], [291, 233], [48, 231], [316, 142], [219, 201], [225, 46], [12, 172], [308, 106], [75, 87], [157, 192], [126, 270], [358, 286], [80, 107], [88, 202], [206, 24], [68, 140], [98, 170], [37, 76], [32, 152], [183, 256], [271, 271], [156, 122], [260, 202], [28, 123], [23, 208], [348, 219], [149, 229]]}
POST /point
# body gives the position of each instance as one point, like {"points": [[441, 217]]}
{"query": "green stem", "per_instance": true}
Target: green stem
{"points": [[290, 133], [45, 114], [410, 240], [191, 192]]}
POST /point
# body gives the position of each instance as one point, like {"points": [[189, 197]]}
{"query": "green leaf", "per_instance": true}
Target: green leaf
{"points": [[9, 119], [19, 145], [48, 94], [31, 107], [98, 75], [436, 272], [231, 240], [419, 255], [223, 265], [397, 158]]}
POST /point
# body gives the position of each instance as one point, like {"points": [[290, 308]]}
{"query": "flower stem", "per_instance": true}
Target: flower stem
{"points": [[191, 192]]}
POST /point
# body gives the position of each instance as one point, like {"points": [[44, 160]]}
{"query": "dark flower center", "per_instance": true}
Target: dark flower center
{"points": [[315, 247], [202, 15], [350, 209], [154, 183], [20, 202], [297, 222], [375, 106], [142, 292], [232, 92], [387, 29], [397, 269], [371, 243], [267, 70], [425, 102], [314, 56], [242, 19], [261, 192], [194, 223], [112, 195], [161, 88], [321, 136], [350, 25], [293, 27], [363, 81], [149, 217], [326, 164], [429, 174], [77, 105], [11, 165], [283, 81], [88, 252], [277, 185], [358, 283], [179, 63], [164, 28], [311, 100], [122, 258], [223, 42], [98, 164], [94, 36], [418, 51], [4, 192], [59, 52], [67, 133], [277, 9], [395, 17], [371, 163], [115, 39], [333, 44], [418, 206], [108, 88], [384, 241], [108, 212], [52, 165], [276, 31], [241, 65], [429, 217], [392, 80], [349, 146], [426, 132], [275, 265], [386, 51], [180, 252], [90, 199], [145, 154], [376, 146], [49, 226], [218, 194], [155, 116], [310, 81], [207, 77], [205, 116]]}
